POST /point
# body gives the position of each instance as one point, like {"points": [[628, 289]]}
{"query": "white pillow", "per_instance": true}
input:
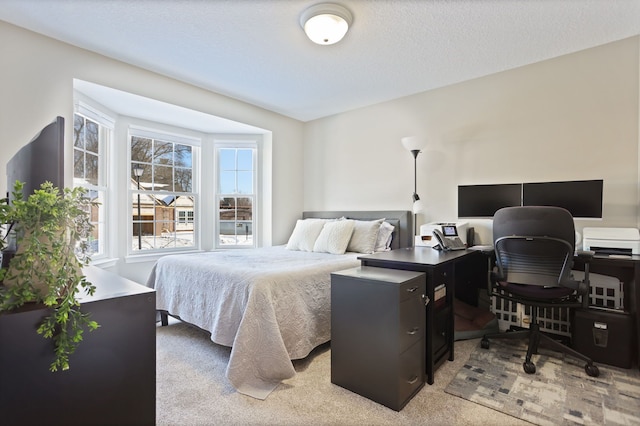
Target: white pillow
{"points": [[305, 233], [365, 235], [383, 242], [334, 237]]}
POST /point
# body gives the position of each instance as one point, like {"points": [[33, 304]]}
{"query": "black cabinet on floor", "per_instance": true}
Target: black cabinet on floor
{"points": [[377, 333], [112, 375], [448, 273]]}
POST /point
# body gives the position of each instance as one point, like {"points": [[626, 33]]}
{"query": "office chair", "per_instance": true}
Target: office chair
{"points": [[534, 249]]}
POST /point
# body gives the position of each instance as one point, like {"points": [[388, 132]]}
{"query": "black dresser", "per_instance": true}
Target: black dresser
{"points": [[112, 374]]}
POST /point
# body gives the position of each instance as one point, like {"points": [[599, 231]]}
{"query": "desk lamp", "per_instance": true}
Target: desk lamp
{"points": [[414, 145]]}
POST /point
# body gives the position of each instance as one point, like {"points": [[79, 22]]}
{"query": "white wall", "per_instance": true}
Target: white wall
{"points": [[36, 85], [573, 117], [570, 118]]}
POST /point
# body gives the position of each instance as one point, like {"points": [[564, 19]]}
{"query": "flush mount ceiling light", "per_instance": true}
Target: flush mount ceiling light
{"points": [[326, 23]]}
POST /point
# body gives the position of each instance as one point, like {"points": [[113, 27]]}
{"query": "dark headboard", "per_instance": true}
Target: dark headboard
{"points": [[400, 219]]}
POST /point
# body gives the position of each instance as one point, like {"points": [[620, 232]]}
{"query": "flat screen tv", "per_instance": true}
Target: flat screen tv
{"points": [[41, 160], [583, 198], [485, 200]]}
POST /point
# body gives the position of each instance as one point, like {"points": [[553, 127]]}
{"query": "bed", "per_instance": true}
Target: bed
{"points": [[270, 305]]}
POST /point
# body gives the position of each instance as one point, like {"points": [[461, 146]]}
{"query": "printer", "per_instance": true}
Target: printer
{"points": [[448, 229], [611, 241]]}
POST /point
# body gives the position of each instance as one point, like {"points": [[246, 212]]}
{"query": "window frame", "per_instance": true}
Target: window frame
{"points": [[106, 134], [175, 138], [237, 142]]}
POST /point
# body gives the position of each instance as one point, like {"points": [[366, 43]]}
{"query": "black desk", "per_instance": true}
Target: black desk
{"points": [[627, 270], [464, 269]]}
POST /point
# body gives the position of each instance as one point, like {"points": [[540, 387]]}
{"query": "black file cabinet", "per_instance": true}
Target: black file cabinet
{"points": [[445, 271], [377, 333]]}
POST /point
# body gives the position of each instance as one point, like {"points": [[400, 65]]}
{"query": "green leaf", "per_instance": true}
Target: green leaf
{"points": [[50, 228]]}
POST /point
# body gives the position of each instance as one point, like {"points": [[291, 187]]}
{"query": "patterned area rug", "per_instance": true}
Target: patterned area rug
{"points": [[560, 392]]}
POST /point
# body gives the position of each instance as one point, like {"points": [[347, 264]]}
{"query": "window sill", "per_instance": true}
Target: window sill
{"points": [[104, 262], [152, 257]]}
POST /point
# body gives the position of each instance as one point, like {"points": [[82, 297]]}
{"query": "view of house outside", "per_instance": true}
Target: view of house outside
{"points": [[236, 173], [164, 204], [163, 200]]}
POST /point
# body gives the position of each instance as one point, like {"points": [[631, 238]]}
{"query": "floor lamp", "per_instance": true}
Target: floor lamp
{"points": [[137, 172], [414, 145]]}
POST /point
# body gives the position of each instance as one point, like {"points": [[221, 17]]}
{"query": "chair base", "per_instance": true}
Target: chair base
{"points": [[535, 337]]}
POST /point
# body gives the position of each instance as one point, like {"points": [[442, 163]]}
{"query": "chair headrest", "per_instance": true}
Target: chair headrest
{"points": [[534, 221]]}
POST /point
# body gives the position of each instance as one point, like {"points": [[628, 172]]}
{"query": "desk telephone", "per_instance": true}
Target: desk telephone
{"points": [[449, 240]]}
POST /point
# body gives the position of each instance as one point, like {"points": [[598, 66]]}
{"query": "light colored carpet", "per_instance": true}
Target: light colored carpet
{"points": [[193, 390], [559, 392]]}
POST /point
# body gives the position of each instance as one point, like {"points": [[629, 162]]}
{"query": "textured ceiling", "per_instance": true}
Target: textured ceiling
{"points": [[255, 50]]}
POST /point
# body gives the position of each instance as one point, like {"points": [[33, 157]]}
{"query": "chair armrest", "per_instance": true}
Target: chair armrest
{"points": [[583, 288], [486, 250], [585, 255]]}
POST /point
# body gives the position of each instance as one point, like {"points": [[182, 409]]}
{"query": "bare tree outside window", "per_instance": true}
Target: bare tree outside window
{"points": [[87, 135]]}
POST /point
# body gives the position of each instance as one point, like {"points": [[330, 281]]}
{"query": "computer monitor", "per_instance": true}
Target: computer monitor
{"points": [[483, 201], [582, 198]]}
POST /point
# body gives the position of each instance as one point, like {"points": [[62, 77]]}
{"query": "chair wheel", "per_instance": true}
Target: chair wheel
{"points": [[529, 367], [484, 343], [592, 370]]}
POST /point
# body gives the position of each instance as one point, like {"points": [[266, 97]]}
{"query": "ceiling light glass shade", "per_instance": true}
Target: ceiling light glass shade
{"points": [[418, 206], [413, 143], [326, 23]]}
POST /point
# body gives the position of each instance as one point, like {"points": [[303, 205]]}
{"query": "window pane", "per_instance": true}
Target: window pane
{"points": [[78, 164], [163, 153], [140, 208], [227, 182], [227, 221], [144, 177], [227, 159], [78, 131], [245, 183], [169, 173], [236, 221], [160, 225], [227, 204], [163, 178], [183, 180], [97, 220], [141, 149], [91, 136], [245, 209], [236, 176], [92, 169], [245, 159], [167, 241], [183, 156], [184, 208]]}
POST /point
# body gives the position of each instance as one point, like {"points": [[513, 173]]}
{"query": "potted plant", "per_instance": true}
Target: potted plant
{"points": [[51, 231]]}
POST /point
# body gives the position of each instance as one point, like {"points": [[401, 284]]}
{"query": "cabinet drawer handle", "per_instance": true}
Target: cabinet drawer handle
{"points": [[412, 380], [412, 289], [413, 331]]}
